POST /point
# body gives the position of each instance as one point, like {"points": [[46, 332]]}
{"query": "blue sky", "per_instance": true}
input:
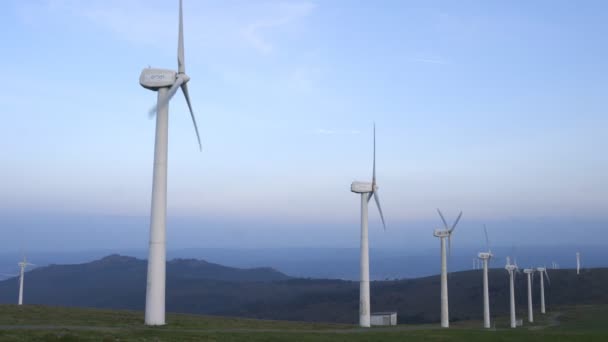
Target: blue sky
{"points": [[494, 108]]}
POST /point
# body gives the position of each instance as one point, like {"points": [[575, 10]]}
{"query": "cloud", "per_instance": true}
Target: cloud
{"points": [[430, 61], [304, 78], [147, 21], [283, 15], [323, 131]]}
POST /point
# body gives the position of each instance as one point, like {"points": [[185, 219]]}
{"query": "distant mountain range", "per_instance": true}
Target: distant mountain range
{"points": [[338, 263], [196, 286]]}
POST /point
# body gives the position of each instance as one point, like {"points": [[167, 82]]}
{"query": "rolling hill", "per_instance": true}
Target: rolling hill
{"points": [[195, 286]]}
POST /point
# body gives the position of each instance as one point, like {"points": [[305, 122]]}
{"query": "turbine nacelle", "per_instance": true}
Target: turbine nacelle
{"points": [[510, 268], [541, 269], [154, 79], [529, 270], [441, 233], [484, 255], [362, 187]]}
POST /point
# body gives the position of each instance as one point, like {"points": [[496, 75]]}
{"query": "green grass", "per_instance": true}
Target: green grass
{"points": [[40, 323]]}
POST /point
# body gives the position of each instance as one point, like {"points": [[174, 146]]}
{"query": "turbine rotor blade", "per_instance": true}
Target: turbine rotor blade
{"points": [[187, 96], [379, 208], [485, 230], [547, 276], [374, 164], [442, 218], [163, 102], [456, 222], [181, 67]]}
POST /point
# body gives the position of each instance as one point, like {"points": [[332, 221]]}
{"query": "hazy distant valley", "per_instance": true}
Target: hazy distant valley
{"points": [[195, 286], [337, 263]]}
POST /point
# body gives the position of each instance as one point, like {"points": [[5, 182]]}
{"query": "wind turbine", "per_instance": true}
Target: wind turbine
{"points": [[166, 83], [530, 273], [367, 190], [543, 270], [578, 263], [442, 234], [512, 268], [22, 265], [485, 257]]}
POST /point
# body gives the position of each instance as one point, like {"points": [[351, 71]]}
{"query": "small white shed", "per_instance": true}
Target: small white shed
{"points": [[384, 318]]}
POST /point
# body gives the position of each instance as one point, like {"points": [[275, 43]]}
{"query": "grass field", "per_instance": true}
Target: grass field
{"points": [[40, 323]]}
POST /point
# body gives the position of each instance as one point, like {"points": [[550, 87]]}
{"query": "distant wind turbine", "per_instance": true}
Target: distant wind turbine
{"points": [[367, 190], [166, 83], [512, 269], [543, 270], [578, 263], [530, 273], [485, 257], [22, 265], [444, 234]]}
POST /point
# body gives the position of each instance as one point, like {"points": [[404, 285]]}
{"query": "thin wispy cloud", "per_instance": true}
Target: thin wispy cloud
{"points": [[324, 131], [286, 13], [430, 61], [143, 22]]}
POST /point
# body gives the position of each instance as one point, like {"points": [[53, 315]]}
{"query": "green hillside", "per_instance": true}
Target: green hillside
{"points": [[41, 323], [198, 287]]}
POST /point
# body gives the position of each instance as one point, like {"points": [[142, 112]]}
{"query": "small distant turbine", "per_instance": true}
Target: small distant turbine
{"points": [[530, 273], [543, 270], [578, 263], [367, 190], [485, 258], [512, 268], [22, 265], [444, 234]]}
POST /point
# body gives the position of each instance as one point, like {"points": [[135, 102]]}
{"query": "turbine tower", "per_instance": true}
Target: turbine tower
{"points": [[485, 258], [367, 190], [166, 83], [22, 265], [543, 270], [578, 263], [512, 268], [444, 234], [530, 273]]}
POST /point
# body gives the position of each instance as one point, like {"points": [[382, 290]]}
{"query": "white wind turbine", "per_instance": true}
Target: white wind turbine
{"points": [[22, 265], [485, 258], [367, 190], [543, 270], [512, 269], [166, 83], [578, 263], [444, 234], [530, 273]]}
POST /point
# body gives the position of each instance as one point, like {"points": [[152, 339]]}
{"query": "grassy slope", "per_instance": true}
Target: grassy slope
{"points": [[581, 323]]}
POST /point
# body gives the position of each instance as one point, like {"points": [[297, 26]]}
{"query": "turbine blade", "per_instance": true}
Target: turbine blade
{"points": [[163, 102], [187, 96], [379, 208], [369, 197], [547, 275], [442, 218], [181, 67], [456, 222], [374, 165], [485, 231]]}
